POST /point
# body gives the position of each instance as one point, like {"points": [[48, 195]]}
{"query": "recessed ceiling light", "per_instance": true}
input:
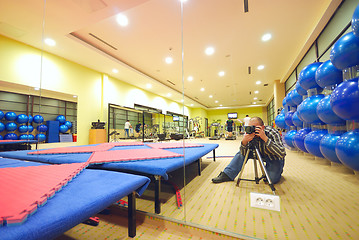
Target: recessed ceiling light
{"points": [[260, 67], [169, 60], [74, 96], [183, 1], [202, 89], [255, 98], [36, 88], [266, 37], [191, 105], [210, 96], [148, 85], [122, 20], [50, 42], [254, 102], [258, 82], [169, 94], [209, 50], [182, 100], [190, 78], [221, 73], [221, 105], [216, 101], [114, 70], [256, 92]]}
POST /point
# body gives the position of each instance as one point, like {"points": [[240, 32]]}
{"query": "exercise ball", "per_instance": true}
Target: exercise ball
{"points": [[2, 127], [68, 124], [355, 21], [282, 111], [300, 90], [38, 119], [30, 128], [290, 100], [1, 114], [326, 114], [23, 129], [40, 137], [296, 97], [307, 110], [327, 146], [345, 51], [22, 118], [63, 128], [289, 138], [288, 118], [284, 102], [344, 100], [41, 128], [61, 119], [30, 119], [10, 116], [10, 136], [280, 121], [1, 137], [328, 75], [347, 149], [24, 137], [299, 138], [10, 126], [30, 137], [306, 77], [296, 121], [312, 142]]}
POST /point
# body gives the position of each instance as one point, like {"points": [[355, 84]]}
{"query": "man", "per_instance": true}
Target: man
{"points": [[127, 129], [246, 120], [270, 147], [230, 125]]}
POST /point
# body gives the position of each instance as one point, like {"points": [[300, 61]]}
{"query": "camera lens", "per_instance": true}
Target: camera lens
{"points": [[250, 129]]}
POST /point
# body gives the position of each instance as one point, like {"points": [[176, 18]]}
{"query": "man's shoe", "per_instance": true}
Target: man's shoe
{"points": [[222, 177]]}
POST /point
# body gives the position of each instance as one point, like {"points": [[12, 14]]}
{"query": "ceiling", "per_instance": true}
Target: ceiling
{"points": [[87, 33]]}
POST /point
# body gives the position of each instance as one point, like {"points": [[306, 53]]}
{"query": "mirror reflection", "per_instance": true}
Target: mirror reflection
{"points": [[152, 99]]}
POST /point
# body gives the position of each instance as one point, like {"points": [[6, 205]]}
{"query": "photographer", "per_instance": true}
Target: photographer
{"points": [[270, 147]]}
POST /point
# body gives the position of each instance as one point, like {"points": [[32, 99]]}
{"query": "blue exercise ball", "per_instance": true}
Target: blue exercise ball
{"points": [[30, 119], [30, 137], [300, 90], [307, 110], [10, 126], [284, 102], [23, 129], [312, 142], [306, 77], [282, 111], [347, 149], [288, 118], [68, 124], [10, 136], [24, 137], [30, 128], [328, 75], [296, 97], [289, 138], [344, 100], [38, 119], [22, 118], [326, 114], [290, 100], [41, 128], [345, 51], [299, 138], [280, 121], [1, 114], [63, 128], [2, 127], [40, 137], [296, 121], [327, 146], [61, 119], [10, 116], [1, 137], [355, 21]]}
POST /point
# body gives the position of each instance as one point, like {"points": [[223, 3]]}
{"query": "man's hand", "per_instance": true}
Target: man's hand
{"points": [[260, 133], [247, 138]]}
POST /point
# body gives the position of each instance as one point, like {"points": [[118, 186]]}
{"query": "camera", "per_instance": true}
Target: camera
{"points": [[250, 129]]}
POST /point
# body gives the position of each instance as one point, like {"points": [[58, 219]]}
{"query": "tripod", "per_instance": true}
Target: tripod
{"points": [[253, 149]]}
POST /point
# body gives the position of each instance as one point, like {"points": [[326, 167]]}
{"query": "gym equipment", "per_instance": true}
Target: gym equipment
{"points": [[347, 149], [327, 146], [328, 75], [307, 110], [23, 128], [345, 51], [296, 97], [2, 127], [253, 152], [312, 142], [288, 118], [355, 21], [63, 128], [289, 101], [306, 77], [38, 119], [30, 119], [299, 138], [41, 128], [216, 131], [68, 124], [1, 114], [326, 114], [1, 137], [11, 126], [10, 136], [280, 121], [301, 91], [22, 118], [284, 102], [30, 128], [289, 138], [10, 116], [40, 137], [296, 121], [61, 119]]}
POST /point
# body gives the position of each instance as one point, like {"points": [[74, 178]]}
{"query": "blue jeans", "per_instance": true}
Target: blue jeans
{"points": [[274, 167], [127, 132]]}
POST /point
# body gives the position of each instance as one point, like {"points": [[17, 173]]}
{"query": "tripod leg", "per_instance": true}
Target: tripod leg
{"points": [[265, 171], [256, 178], [244, 163]]}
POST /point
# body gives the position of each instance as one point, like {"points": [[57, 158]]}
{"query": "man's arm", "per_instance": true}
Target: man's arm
{"points": [[274, 143]]}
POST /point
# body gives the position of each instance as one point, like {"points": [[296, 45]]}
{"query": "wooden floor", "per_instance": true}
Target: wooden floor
{"points": [[318, 200]]}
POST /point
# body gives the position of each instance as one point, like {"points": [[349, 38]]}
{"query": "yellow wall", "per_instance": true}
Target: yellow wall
{"points": [[221, 114]]}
